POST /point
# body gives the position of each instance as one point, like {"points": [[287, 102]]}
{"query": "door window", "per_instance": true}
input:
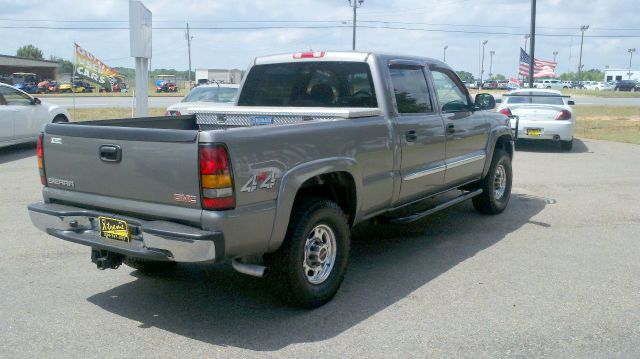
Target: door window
{"points": [[411, 91], [14, 97], [450, 93]]}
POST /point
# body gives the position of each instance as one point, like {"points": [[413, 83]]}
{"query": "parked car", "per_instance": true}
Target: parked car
{"points": [[599, 86], [490, 85], [66, 87], [318, 142], [551, 84], [576, 85], [22, 116], [202, 96], [627, 85], [542, 114], [504, 85]]}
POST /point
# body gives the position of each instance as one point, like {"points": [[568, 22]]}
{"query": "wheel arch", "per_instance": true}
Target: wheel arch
{"points": [[499, 139], [335, 178]]}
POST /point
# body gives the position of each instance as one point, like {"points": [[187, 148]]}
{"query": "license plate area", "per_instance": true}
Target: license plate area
{"points": [[534, 132], [114, 229]]}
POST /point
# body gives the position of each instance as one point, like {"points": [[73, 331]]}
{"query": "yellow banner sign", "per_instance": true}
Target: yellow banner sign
{"points": [[92, 69]]}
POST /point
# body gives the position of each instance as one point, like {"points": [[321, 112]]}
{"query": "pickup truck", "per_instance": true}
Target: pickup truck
{"points": [[316, 143]]}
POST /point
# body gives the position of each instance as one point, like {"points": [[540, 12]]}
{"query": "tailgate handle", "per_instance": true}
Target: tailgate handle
{"points": [[110, 153]]}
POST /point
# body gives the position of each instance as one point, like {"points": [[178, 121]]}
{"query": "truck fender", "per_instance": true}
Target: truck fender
{"points": [[496, 133], [294, 178]]}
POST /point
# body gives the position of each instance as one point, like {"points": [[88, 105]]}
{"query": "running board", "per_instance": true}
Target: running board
{"points": [[416, 216]]}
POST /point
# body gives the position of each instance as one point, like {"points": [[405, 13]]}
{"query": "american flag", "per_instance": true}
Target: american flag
{"points": [[541, 68]]}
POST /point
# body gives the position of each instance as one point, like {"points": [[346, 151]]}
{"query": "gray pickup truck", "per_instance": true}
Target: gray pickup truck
{"points": [[316, 143]]}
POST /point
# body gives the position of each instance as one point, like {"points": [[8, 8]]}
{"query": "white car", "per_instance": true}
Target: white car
{"points": [[22, 116], [203, 96], [551, 84], [543, 115], [600, 86]]}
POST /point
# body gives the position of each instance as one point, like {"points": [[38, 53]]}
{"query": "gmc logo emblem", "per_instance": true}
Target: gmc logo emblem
{"points": [[184, 198]]}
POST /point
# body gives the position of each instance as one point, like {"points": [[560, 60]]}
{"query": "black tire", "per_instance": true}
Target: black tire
{"points": [[286, 271], [566, 145], [60, 118], [487, 202], [148, 265]]}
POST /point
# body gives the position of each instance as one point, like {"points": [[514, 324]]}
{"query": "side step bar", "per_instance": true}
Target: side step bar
{"points": [[416, 216]]}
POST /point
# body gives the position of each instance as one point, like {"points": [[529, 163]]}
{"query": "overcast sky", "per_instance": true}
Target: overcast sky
{"points": [[436, 23]]}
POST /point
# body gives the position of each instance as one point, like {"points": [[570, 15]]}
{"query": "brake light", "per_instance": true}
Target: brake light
{"points": [[216, 180], [40, 155], [563, 115], [505, 111], [308, 55], [172, 113]]}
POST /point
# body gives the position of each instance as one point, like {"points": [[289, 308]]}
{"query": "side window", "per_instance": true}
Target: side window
{"points": [[451, 95], [411, 91], [14, 97]]}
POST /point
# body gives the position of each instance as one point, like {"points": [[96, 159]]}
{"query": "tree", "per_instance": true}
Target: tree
{"points": [[465, 76], [589, 75], [30, 51], [498, 77], [64, 66]]}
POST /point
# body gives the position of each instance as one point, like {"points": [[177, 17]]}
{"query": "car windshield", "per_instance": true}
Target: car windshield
{"points": [[211, 94], [537, 99], [309, 84]]}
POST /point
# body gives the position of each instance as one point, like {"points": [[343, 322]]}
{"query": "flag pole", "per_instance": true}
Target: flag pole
{"points": [[533, 42], [73, 93]]}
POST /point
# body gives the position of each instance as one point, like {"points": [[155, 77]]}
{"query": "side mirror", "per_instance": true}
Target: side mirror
{"points": [[36, 101], [485, 101], [571, 102]]}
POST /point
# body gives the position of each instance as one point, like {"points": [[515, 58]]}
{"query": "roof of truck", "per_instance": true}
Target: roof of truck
{"points": [[355, 56]]}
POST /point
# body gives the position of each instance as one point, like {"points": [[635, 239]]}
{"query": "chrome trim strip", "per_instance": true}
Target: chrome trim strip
{"points": [[466, 161], [423, 173]]}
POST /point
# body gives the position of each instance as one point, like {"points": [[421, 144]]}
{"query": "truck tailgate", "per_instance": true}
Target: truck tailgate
{"points": [[146, 164]]}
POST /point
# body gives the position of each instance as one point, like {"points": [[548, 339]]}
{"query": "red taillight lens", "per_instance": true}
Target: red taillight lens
{"points": [[563, 115], [505, 111], [216, 181], [40, 155], [172, 113]]}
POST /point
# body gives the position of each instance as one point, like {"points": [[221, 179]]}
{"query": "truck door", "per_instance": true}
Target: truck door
{"points": [[420, 130], [6, 119], [467, 130]]}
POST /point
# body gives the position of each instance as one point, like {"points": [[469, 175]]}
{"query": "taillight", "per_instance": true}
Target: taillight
{"points": [[563, 115], [505, 111], [308, 55], [216, 180], [172, 113], [40, 155]]}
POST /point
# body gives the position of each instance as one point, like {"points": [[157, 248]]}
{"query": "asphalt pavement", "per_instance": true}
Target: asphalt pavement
{"points": [[166, 101], [556, 275]]}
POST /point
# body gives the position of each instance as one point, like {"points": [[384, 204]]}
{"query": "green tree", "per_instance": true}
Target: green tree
{"points": [[64, 66], [30, 51], [498, 77], [465, 76], [588, 75]]}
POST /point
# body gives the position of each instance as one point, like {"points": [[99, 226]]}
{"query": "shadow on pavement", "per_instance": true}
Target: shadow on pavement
{"points": [[216, 305], [549, 146], [17, 152]]}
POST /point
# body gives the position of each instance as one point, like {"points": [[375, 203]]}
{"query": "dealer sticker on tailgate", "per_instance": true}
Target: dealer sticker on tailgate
{"points": [[114, 229]]}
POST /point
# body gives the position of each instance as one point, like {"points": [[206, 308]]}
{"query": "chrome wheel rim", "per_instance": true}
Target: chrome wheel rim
{"points": [[319, 254], [500, 182]]}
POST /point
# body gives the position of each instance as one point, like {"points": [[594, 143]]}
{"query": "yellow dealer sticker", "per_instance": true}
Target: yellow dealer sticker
{"points": [[114, 229]]}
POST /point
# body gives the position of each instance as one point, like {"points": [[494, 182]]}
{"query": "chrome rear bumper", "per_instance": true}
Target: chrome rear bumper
{"points": [[161, 240]]}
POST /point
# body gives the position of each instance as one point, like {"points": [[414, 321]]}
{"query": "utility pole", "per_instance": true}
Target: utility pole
{"points": [[356, 4], [526, 38], [491, 53], [482, 66], [189, 38], [555, 53], [533, 42], [631, 51], [583, 28], [444, 56]]}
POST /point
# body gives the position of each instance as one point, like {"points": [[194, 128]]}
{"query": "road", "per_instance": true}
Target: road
{"points": [[164, 102], [556, 276]]}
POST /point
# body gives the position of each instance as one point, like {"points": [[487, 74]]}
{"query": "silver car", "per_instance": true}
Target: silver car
{"points": [[204, 95]]}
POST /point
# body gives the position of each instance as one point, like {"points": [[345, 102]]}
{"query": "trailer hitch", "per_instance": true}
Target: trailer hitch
{"points": [[105, 259]]}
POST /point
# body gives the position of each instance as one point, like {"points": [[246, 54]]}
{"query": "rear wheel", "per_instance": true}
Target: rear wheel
{"points": [[566, 145], [309, 267], [496, 185], [148, 265]]}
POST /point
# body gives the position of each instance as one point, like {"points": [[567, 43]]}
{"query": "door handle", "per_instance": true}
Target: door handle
{"points": [[451, 128], [110, 153], [411, 136]]}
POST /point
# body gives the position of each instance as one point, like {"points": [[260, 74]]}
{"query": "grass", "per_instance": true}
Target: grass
{"points": [[152, 92], [620, 124]]}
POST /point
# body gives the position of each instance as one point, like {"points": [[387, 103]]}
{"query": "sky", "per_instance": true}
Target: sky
{"points": [[391, 26]]}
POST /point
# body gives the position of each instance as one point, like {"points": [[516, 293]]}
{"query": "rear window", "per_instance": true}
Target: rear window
{"points": [[211, 94], [309, 84], [538, 100]]}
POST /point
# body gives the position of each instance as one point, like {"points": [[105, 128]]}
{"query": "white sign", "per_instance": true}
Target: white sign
{"points": [[140, 30]]}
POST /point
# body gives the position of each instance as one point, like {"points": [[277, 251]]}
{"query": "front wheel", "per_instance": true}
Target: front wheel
{"points": [[309, 267], [496, 186]]}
